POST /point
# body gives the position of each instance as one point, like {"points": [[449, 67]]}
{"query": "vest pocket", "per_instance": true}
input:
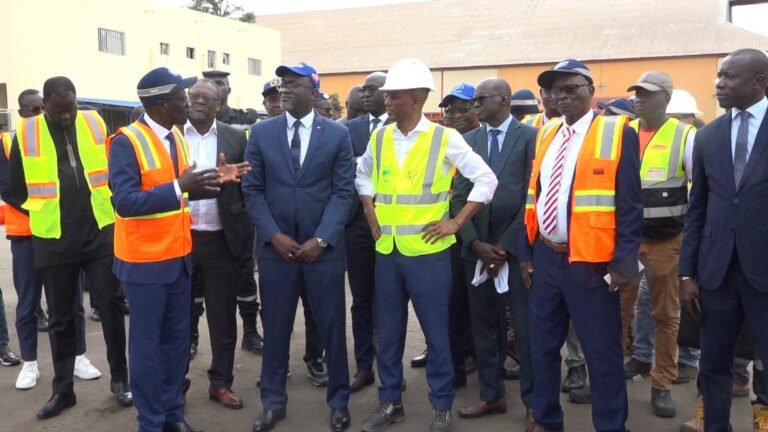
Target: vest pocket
{"points": [[602, 220]]}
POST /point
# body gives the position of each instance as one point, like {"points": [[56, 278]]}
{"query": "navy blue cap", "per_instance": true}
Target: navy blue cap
{"points": [[301, 69], [322, 96], [569, 67], [618, 106], [274, 83], [161, 81], [461, 91], [215, 74], [524, 97]]}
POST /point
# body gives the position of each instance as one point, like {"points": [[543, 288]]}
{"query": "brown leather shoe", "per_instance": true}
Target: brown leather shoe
{"points": [[225, 397], [529, 423], [482, 408]]}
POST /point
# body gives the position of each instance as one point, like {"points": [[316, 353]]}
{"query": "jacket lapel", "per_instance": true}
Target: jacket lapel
{"points": [[510, 141], [314, 139], [221, 144], [481, 146], [281, 138], [758, 148]]}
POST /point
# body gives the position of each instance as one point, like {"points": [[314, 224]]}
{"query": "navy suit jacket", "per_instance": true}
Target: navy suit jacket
{"points": [[315, 201], [499, 222], [721, 217], [629, 209], [129, 200]]}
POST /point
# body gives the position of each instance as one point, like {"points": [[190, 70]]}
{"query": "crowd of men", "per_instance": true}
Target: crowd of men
{"points": [[636, 230]]}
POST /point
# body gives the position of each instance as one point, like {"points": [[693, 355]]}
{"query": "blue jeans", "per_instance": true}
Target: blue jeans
{"points": [[645, 331]]}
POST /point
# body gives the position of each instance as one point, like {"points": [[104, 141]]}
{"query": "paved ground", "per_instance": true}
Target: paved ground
{"points": [[96, 410]]}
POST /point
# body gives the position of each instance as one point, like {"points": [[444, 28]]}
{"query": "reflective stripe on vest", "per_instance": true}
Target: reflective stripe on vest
{"points": [[535, 120], [411, 194], [157, 236], [592, 224], [16, 222], [38, 154]]}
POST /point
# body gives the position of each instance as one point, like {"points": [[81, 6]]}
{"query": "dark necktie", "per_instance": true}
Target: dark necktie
{"points": [[375, 123], [493, 152], [296, 146], [740, 155], [173, 152]]}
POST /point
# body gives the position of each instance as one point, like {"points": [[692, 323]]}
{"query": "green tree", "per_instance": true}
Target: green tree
{"points": [[336, 104], [248, 17], [222, 8]]}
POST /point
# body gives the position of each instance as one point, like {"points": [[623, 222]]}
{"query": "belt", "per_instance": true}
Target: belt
{"points": [[557, 247]]}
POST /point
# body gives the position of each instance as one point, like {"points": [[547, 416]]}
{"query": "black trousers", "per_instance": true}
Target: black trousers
{"points": [[313, 345], [361, 266], [247, 295], [459, 325], [216, 272], [61, 286]]}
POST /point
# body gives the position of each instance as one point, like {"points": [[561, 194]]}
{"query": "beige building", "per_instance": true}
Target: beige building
{"points": [[105, 46], [468, 40]]}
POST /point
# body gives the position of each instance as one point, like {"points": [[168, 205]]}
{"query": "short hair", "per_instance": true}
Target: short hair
{"points": [[59, 85], [25, 93], [219, 90]]}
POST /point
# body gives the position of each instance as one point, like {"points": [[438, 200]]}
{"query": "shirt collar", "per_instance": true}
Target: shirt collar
{"points": [[504, 126], [189, 129], [581, 125], [158, 129], [382, 117], [757, 110], [306, 121], [421, 126]]}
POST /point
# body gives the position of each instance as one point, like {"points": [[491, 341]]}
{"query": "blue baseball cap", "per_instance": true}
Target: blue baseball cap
{"points": [[618, 106], [301, 69], [161, 81], [524, 97], [463, 91], [567, 67], [274, 83], [322, 96]]}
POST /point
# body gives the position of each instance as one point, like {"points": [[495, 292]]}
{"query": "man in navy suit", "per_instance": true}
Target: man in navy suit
{"points": [[299, 196], [724, 279]]}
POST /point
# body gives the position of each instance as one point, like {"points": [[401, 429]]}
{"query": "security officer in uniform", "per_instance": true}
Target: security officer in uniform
{"points": [[227, 114], [524, 105]]}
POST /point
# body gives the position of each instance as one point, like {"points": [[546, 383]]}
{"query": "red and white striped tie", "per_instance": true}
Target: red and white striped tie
{"points": [[555, 180]]}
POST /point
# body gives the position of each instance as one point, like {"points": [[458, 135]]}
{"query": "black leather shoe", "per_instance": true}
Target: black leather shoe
{"points": [[340, 419], [181, 426], [511, 373], [94, 315], [459, 382], [122, 393], [385, 414], [268, 419], [420, 360], [8, 357], [575, 379], [253, 342], [363, 378], [56, 404], [42, 320]]}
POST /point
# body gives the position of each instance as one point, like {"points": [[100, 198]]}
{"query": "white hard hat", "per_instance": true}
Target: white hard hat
{"points": [[409, 74], [682, 102]]}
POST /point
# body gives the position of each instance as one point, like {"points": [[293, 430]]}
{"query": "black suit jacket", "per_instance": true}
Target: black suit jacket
{"points": [[234, 220], [500, 221], [722, 216]]}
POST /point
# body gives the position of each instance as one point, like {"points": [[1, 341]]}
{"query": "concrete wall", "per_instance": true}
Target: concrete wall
{"points": [[46, 38]]}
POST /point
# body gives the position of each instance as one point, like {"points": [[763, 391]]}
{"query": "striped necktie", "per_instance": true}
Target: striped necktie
{"points": [[555, 180]]}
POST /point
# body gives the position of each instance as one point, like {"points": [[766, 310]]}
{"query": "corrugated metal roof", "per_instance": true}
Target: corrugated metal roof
{"points": [[473, 33]]}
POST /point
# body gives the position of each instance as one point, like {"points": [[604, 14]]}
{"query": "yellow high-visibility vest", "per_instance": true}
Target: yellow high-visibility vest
{"points": [[411, 195], [41, 171]]}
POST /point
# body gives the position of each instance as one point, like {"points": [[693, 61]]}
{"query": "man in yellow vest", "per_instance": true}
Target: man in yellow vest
{"points": [[407, 171], [666, 153], [582, 232], [58, 169]]}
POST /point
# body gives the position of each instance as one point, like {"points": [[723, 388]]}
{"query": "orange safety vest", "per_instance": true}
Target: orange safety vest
{"points": [[16, 222], [160, 236], [592, 225]]}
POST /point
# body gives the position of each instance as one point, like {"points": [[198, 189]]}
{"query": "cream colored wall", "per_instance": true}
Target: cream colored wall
{"points": [[45, 38]]}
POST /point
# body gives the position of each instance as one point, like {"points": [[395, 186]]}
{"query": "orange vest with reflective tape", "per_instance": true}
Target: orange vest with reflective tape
{"points": [[592, 224], [16, 222], [160, 236]]}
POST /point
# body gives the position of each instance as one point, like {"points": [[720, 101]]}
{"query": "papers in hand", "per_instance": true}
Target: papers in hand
{"points": [[640, 268], [500, 281]]}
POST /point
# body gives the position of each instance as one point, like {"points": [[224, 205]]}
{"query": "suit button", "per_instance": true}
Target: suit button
{"points": [[735, 200]]}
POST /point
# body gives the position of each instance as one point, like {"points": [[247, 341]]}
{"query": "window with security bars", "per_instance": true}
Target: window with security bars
{"points": [[190, 53], [165, 49], [225, 58], [254, 66], [211, 59], [111, 41]]}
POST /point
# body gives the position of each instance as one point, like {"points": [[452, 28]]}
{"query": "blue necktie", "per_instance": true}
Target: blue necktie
{"points": [[740, 154], [173, 152], [493, 151], [375, 123], [296, 146]]}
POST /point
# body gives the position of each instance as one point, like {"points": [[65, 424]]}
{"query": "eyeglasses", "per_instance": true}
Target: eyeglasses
{"points": [[481, 99], [569, 90], [180, 98], [456, 110], [292, 85], [194, 97]]}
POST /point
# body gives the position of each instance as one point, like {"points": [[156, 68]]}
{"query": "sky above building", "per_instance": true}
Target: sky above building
{"points": [[271, 7]]}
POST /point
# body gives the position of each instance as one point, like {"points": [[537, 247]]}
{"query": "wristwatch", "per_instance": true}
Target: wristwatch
{"points": [[684, 278], [321, 242]]}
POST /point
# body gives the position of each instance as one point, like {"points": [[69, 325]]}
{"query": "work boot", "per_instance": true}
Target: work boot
{"points": [[581, 395], [635, 367], [663, 405], [441, 421], [760, 417], [740, 390], [385, 414], [252, 340], [195, 335], [697, 423], [685, 373], [576, 378], [42, 320]]}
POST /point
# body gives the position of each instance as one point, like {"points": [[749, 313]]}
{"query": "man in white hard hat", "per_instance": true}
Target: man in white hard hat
{"points": [[683, 107], [407, 170]]}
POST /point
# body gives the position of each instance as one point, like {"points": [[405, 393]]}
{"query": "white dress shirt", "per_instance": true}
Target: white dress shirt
{"points": [[202, 149], [162, 133], [458, 154], [383, 119], [305, 131], [755, 120], [503, 128], [580, 128]]}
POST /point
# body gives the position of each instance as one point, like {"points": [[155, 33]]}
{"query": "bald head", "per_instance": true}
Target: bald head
{"points": [[373, 98], [375, 78], [492, 100], [742, 79], [354, 104], [756, 60]]}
